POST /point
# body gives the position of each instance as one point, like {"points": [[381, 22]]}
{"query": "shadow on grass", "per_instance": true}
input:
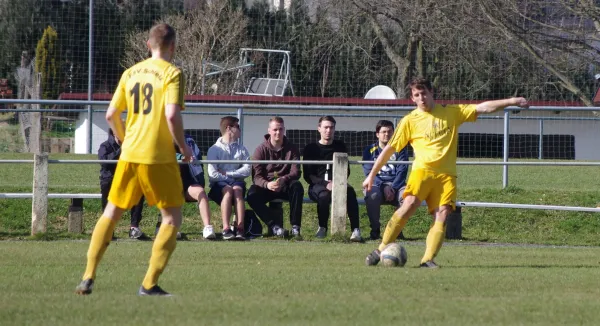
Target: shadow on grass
{"points": [[523, 266], [14, 235]]}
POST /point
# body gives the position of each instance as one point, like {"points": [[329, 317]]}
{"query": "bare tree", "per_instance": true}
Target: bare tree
{"points": [[210, 32], [560, 36], [402, 28], [540, 49]]}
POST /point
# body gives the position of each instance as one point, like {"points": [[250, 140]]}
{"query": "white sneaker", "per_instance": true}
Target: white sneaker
{"points": [[208, 232], [355, 237], [278, 231]]}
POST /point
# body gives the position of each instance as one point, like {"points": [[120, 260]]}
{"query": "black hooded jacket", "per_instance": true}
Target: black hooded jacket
{"points": [[109, 150]]}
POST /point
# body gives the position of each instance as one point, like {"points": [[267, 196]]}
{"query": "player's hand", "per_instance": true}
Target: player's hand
{"points": [[368, 183], [329, 185], [388, 193], [273, 185], [188, 155], [521, 102]]}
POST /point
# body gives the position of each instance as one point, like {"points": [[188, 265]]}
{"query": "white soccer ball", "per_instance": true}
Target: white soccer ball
{"points": [[393, 255]]}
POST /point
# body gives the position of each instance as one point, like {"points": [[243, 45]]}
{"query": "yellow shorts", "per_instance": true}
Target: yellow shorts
{"points": [[159, 183], [434, 188]]}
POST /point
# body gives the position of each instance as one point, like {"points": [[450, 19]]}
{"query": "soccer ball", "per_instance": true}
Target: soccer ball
{"points": [[393, 255]]}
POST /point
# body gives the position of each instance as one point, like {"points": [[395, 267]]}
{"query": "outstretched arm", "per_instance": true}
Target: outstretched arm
{"points": [[493, 106]]}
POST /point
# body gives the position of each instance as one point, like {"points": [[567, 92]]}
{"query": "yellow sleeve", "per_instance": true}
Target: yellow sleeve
{"points": [[467, 113], [175, 89], [401, 136], [119, 99]]}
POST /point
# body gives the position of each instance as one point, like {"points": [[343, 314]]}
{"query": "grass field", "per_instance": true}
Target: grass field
{"points": [[301, 283], [273, 282]]}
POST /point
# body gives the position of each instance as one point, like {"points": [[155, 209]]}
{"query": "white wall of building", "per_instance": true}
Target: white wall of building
{"points": [[587, 133]]}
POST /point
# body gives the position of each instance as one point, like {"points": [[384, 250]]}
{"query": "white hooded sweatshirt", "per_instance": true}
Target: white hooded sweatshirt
{"points": [[233, 151]]}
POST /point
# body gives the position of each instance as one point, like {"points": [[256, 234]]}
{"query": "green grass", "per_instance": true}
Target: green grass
{"points": [[300, 283], [572, 186], [61, 129], [273, 282], [10, 140]]}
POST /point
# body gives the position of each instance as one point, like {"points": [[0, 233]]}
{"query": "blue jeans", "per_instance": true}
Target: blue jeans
{"points": [[373, 200]]}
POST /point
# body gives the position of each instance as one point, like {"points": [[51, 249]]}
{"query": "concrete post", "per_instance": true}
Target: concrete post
{"points": [[75, 223], [339, 194], [39, 204]]}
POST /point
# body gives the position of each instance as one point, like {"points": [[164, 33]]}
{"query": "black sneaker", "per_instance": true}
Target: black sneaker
{"points": [[429, 264], [239, 234], [155, 290], [373, 258], [85, 287], [228, 234]]}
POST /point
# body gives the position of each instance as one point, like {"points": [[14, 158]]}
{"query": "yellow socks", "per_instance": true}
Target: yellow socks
{"points": [[434, 241], [163, 247], [101, 237], [392, 230]]}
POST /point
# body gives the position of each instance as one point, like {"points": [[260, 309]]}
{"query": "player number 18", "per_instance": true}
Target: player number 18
{"points": [[146, 101]]}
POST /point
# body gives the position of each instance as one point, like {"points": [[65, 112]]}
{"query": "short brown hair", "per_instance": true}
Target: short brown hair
{"points": [[327, 118], [161, 36], [228, 121], [420, 83], [383, 123], [277, 119]]}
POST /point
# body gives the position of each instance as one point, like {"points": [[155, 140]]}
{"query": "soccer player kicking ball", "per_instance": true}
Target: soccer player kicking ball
{"points": [[152, 93], [432, 130]]}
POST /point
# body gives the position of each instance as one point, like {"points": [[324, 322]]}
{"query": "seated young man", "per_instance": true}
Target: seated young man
{"points": [[192, 177], [389, 183], [277, 181], [319, 178], [227, 185]]}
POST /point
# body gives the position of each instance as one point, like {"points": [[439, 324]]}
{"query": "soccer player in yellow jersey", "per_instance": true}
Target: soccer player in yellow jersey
{"points": [[432, 130], [152, 92]]}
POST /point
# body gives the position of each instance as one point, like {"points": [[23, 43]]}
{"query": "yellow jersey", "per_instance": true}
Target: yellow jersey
{"points": [[433, 136], [144, 90]]}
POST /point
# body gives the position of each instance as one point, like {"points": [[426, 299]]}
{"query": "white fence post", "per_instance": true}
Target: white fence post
{"points": [[39, 204], [339, 194], [505, 146]]}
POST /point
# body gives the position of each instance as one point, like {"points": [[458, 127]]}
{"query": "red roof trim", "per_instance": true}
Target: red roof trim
{"points": [[596, 99], [308, 100]]}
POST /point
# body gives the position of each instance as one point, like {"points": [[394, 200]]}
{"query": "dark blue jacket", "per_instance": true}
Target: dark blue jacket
{"points": [[394, 174], [192, 173], [109, 150]]}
